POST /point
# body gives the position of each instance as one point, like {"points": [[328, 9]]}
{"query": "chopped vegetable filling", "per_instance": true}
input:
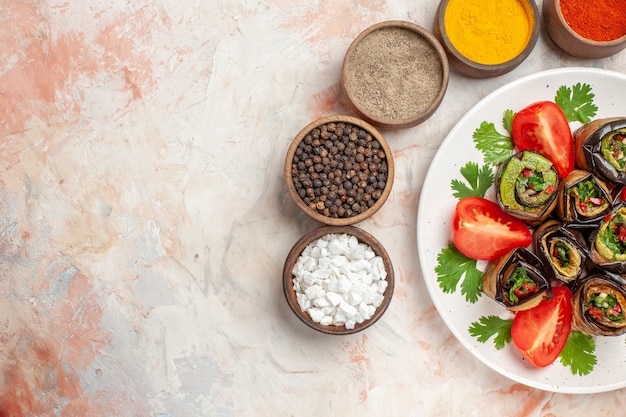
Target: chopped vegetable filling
{"points": [[589, 195], [605, 305], [521, 285]]}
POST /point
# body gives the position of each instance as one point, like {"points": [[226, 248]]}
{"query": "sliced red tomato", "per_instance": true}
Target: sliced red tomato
{"points": [[540, 333], [543, 127], [481, 230]]}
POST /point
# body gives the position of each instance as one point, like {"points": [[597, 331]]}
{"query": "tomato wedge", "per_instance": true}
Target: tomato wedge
{"points": [[541, 332], [543, 127], [481, 230]]}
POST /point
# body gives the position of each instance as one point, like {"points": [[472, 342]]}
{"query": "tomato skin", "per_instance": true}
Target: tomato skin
{"points": [[481, 230], [543, 127], [541, 332]]}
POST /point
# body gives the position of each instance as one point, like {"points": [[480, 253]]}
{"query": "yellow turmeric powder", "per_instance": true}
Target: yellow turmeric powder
{"points": [[488, 32]]}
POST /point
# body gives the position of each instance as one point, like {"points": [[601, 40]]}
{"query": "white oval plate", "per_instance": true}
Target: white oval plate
{"points": [[436, 207]]}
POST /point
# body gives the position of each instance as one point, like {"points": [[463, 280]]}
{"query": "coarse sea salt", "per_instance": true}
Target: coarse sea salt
{"points": [[339, 281]]}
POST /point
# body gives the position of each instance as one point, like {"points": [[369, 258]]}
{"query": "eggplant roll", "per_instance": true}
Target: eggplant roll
{"points": [[599, 303], [600, 148], [607, 243], [517, 280], [562, 251], [526, 186], [583, 199]]}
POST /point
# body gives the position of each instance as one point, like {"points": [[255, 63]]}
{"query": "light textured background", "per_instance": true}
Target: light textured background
{"points": [[144, 222]]}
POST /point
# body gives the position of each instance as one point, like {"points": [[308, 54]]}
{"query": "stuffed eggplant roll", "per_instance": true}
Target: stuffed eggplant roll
{"points": [[516, 280], [599, 303], [583, 199], [607, 243], [600, 147], [562, 251], [526, 186]]}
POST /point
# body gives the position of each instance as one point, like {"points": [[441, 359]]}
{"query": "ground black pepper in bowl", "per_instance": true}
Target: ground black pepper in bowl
{"points": [[395, 74], [339, 170]]}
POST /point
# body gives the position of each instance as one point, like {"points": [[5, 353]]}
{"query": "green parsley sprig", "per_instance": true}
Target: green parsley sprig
{"points": [[488, 326], [479, 180], [578, 353], [495, 146], [576, 102], [454, 267]]}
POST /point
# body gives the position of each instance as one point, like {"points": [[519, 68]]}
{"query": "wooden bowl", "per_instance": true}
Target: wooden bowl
{"points": [[570, 41], [288, 277], [473, 68], [395, 74], [374, 201]]}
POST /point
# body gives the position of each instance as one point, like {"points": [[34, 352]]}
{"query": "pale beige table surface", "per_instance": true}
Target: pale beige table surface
{"points": [[144, 222]]}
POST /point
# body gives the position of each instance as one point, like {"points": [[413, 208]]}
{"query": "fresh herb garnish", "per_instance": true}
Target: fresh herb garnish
{"points": [[576, 102], [561, 253], [488, 326], [452, 266], [614, 236], [479, 181], [507, 120], [521, 285], [579, 353], [495, 146]]}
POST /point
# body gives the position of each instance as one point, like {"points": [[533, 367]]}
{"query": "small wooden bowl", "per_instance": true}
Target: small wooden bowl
{"points": [[395, 74], [570, 41], [315, 214], [474, 69], [296, 251]]}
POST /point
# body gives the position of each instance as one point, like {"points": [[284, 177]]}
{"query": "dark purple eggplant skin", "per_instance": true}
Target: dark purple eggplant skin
{"points": [[498, 272], [587, 141], [585, 323], [555, 229], [566, 209]]}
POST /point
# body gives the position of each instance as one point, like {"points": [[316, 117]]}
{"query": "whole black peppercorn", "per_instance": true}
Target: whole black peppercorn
{"points": [[339, 170]]}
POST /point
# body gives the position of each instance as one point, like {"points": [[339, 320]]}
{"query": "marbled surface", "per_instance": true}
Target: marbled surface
{"points": [[144, 222]]}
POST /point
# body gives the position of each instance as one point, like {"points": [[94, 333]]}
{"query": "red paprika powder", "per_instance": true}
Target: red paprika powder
{"points": [[598, 20]]}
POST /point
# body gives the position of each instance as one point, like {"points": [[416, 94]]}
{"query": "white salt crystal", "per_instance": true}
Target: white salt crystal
{"points": [[310, 264], [354, 298], [308, 278], [334, 247], [316, 314], [322, 273], [349, 311], [321, 301], [344, 285], [339, 319], [339, 281], [358, 252], [377, 299], [316, 252], [321, 243], [338, 261], [334, 298], [313, 292]]}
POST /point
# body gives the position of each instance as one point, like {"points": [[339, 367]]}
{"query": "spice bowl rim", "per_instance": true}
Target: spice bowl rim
{"points": [[567, 39], [389, 123], [339, 221], [475, 69], [363, 237]]}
